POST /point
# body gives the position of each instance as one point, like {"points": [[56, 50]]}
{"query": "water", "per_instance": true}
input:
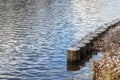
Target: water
{"points": [[34, 35]]}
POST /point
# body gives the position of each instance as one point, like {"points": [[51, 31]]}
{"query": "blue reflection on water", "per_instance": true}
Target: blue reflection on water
{"points": [[34, 35]]}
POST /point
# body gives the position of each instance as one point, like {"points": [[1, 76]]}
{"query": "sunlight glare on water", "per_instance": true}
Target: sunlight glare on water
{"points": [[34, 36]]}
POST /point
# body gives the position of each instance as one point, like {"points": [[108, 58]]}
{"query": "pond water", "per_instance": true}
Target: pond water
{"points": [[34, 36]]}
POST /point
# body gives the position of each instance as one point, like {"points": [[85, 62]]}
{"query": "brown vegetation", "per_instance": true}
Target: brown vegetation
{"points": [[108, 68]]}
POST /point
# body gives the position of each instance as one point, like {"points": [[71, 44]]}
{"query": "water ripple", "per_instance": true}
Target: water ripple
{"points": [[34, 35]]}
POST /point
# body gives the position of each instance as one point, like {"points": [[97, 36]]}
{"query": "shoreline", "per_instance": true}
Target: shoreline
{"points": [[106, 41], [108, 68], [82, 48]]}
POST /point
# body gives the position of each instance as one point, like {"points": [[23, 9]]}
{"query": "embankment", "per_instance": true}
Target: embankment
{"points": [[108, 68]]}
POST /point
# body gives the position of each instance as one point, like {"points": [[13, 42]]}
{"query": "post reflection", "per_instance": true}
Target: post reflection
{"points": [[75, 65]]}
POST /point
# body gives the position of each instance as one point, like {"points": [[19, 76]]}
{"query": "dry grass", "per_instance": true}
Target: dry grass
{"points": [[108, 68]]}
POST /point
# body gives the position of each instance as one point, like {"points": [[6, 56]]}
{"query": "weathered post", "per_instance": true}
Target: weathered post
{"points": [[73, 54], [87, 48], [82, 47]]}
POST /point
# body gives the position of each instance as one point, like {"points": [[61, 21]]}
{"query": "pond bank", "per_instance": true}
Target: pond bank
{"points": [[82, 48], [108, 68]]}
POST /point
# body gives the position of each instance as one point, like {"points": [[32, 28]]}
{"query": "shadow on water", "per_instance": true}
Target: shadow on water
{"points": [[34, 35], [75, 65]]}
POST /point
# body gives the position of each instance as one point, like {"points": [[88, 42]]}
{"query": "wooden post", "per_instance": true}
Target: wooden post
{"points": [[83, 53], [88, 38], [84, 41], [79, 45], [73, 54], [84, 49], [101, 30], [93, 35]]}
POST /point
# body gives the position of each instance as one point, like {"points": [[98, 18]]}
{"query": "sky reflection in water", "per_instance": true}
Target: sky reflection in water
{"points": [[34, 35]]}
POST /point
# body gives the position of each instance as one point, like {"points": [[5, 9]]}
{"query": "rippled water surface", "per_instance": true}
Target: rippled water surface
{"points": [[34, 35]]}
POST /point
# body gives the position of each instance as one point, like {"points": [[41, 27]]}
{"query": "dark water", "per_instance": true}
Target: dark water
{"points": [[34, 35]]}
